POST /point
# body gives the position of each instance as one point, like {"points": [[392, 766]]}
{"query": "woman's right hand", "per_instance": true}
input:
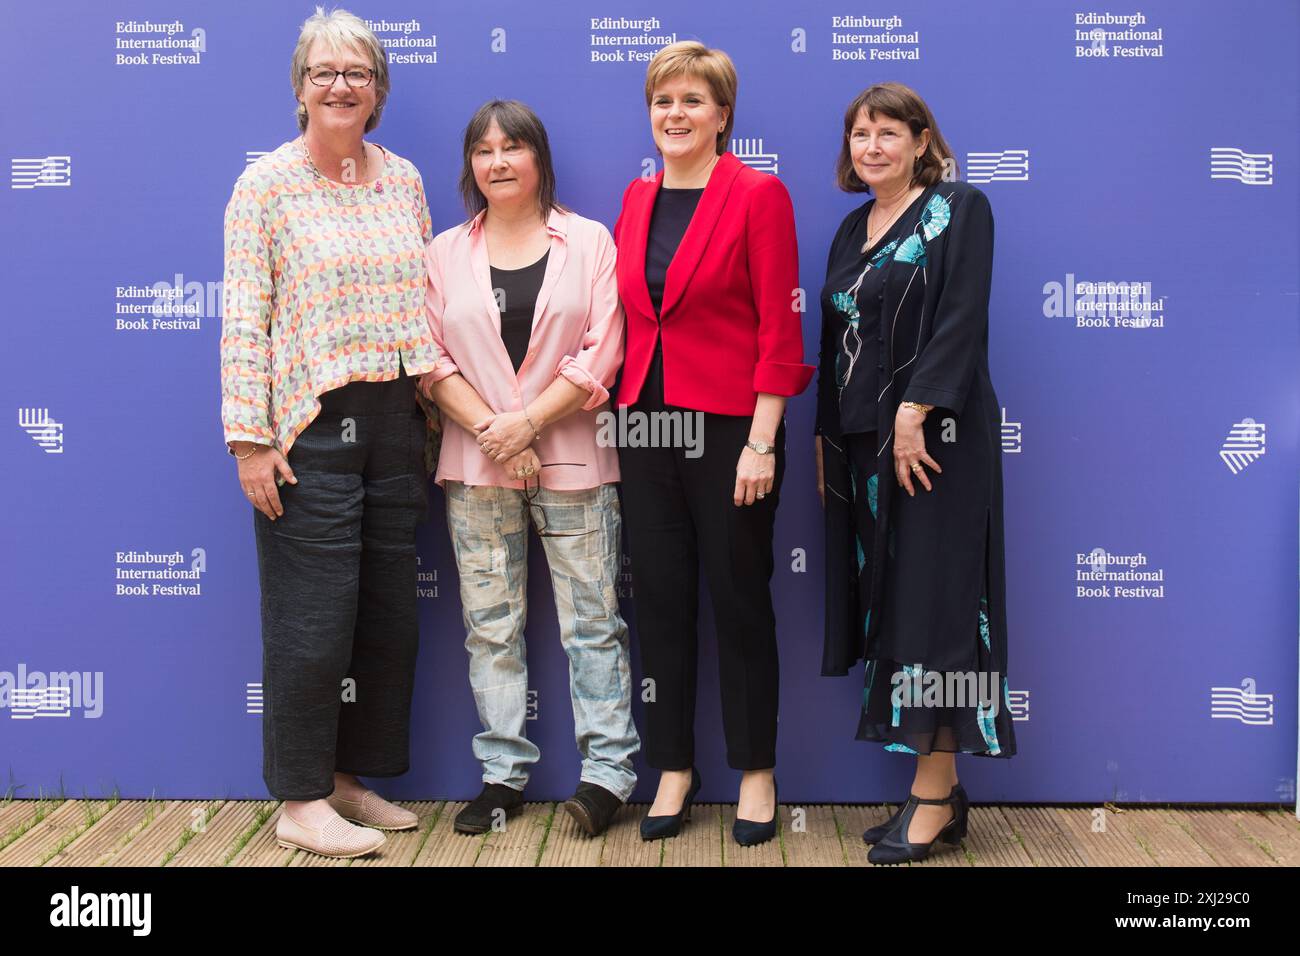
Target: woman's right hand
{"points": [[257, 474], [424, 384], [821, 473]]}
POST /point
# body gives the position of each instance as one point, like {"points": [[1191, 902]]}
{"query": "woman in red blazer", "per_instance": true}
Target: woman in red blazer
{"points": [[708, 275]]}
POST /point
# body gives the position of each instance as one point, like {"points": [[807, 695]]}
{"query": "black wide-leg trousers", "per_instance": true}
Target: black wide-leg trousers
{"points": [[338, 577]]}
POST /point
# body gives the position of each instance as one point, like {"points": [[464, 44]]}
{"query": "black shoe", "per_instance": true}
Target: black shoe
{"points": [[877, 833], [749, 833], [592, 807], [894, 847], [655, 828], [479, 815]]}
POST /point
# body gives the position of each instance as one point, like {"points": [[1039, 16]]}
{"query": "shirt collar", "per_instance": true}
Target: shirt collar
{"points": [[557, 223]]}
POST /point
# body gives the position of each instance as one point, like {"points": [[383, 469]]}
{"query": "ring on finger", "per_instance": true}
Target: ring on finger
{"points": [[916, 467]]}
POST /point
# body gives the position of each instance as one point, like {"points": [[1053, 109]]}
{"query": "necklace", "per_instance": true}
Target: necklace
{"points": [[365, 169], [893, 215]]}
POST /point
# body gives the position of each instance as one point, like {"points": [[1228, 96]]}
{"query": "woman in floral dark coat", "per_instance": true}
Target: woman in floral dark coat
{"points": [[909, 461]]}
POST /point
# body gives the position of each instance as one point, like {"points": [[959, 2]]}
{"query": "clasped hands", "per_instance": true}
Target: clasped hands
{"points": [[506, 438]]}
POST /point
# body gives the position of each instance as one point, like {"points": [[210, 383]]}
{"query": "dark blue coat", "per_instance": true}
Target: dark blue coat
{"points": [[937, 553]]}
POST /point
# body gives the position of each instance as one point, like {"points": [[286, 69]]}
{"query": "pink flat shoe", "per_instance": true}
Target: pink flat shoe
{"points": [[337, 838], [372, 810]]}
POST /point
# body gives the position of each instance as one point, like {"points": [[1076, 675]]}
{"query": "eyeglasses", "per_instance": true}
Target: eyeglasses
{"points": [[539, 513], [324, 76]]}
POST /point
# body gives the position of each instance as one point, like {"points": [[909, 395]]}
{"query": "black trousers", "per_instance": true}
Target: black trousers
{"points": [[338, 577], [679, 517]]}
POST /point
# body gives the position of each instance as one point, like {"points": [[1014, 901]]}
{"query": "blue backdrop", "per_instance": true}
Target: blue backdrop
{"points": [[1150, 424]]}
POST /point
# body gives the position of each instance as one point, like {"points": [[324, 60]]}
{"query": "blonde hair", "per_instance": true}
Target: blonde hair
{"points": [[692, 58], [340, 30]]}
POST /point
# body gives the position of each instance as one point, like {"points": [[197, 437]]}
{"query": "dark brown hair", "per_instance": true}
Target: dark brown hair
{"points": [[905, 105], [518, 123]]}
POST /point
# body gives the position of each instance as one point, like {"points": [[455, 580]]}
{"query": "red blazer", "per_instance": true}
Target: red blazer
{"points": [[729, 321]]}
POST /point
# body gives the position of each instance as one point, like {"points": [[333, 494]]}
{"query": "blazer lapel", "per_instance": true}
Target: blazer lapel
{"points": [[903, 279], [635, 241], [696, 239], [900, 281]]}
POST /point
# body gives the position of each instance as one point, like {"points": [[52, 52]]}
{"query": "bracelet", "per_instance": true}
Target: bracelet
{"points": [[537, 436], [923, 409], [251, 452]]}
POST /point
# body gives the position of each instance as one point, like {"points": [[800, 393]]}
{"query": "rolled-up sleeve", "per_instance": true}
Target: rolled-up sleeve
{"points": [[247, 300], [433, 310], [773, 252], [597, 363]]}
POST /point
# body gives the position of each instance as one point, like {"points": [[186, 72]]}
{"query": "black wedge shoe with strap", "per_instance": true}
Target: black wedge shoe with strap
{"points": [[894, 846], [877, 833]]}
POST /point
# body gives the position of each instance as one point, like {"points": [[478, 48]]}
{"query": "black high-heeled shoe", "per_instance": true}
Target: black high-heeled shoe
{"points": [[658, 827], [895, 848], [749, 833], [877, 833]]}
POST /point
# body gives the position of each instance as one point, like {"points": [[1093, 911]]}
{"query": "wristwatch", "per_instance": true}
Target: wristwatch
{"points": [[762, 447]]}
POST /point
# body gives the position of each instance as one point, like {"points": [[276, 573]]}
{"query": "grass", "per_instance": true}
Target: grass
{"points": [[92, 811], [190, 832], [1159, 837], [263, 814], [44, 807]]}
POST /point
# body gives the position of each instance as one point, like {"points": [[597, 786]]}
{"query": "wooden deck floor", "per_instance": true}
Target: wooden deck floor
{"points": [[242, 833]]}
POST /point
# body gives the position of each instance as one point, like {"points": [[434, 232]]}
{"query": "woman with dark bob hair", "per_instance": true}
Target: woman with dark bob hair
{"points": [[523, 305], [909, 463]]}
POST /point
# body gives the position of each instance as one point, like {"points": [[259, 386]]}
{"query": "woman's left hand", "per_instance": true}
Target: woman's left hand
{"points": [[503, 436], [910, 456], [523, 466], [755, 474]]}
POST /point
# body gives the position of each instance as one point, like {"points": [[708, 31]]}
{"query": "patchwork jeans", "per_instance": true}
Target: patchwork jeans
{"points": [[581, 534]]}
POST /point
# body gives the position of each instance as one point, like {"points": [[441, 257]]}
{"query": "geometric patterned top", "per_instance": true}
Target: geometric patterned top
{"points": [[324, 285]]}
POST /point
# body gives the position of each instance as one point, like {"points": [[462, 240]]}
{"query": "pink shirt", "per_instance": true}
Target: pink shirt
{"points": [[577, 333]]}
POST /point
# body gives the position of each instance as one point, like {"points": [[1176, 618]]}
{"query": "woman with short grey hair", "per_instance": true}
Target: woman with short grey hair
{"points": [[323, 339]]}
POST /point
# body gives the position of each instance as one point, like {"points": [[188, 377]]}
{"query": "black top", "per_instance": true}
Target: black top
{"points": [[672, 214], [853, 335], [516, 291], [668, 222]]}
